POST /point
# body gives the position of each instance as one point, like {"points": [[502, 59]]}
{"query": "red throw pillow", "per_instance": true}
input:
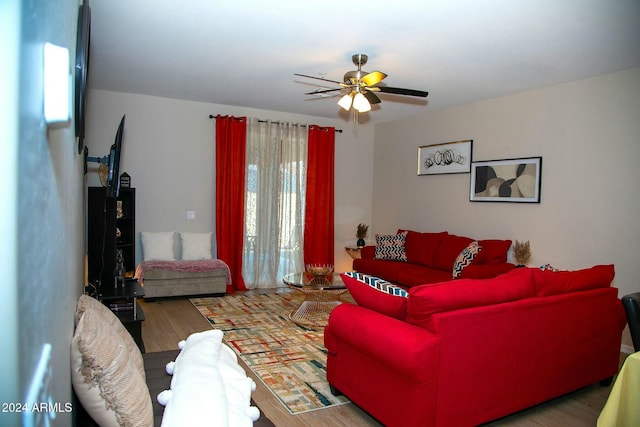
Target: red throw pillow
{"points": [[493, 251], [449, 249], [550, 282], [426, 300], [421, 248], [375, 299]]}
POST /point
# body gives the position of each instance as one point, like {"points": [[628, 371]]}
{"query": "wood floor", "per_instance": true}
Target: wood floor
{"points": [[170, 320]]}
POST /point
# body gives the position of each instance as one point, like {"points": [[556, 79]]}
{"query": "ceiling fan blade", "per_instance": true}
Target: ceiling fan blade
{"points": [[401, 91], [373, 78], [371, 97], [319, 91], [317, 78]]}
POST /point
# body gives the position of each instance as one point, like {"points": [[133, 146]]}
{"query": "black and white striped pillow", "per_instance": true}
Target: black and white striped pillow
{"points": [[465, 258], [390, 247], [378, 284]]}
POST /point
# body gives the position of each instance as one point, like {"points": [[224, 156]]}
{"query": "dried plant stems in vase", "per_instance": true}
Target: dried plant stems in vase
{"points": [[522, 252], [361, 233]]}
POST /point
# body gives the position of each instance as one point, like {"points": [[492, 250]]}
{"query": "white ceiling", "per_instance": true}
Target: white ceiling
{"points": [[245, 52]]}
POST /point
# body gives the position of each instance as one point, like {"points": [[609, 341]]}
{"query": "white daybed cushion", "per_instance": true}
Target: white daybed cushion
{"points": [[196, 246], [157, 245]]}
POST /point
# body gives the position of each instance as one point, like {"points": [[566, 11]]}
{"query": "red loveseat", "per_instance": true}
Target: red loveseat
{"points": [[469, 351], [430, 258]]}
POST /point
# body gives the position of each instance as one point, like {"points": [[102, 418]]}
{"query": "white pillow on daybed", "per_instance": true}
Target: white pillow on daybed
{"points": [[196, 246], [157, 245]]}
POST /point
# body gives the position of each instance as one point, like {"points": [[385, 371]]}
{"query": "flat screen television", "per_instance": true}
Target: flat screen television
{"points": [[113, 176]]}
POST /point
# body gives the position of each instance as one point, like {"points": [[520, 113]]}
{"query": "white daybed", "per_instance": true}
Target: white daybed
{"points": [[193, 272]]}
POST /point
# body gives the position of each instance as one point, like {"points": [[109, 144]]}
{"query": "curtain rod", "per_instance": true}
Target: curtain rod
{"points": [[211, 116]]}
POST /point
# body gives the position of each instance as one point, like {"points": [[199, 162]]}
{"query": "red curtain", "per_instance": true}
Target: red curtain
{"points": [[319, 203], [230, 172]]}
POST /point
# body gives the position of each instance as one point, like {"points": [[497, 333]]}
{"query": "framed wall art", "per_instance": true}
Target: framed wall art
{"points": [[448, 157], [509, 180]]}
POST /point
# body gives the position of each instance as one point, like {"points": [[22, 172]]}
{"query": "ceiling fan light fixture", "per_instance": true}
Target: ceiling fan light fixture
{"points": [[362, 87], [345, 101], [361, 103]]}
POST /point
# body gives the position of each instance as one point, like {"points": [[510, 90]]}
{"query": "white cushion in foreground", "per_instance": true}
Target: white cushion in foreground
{"points": [[208, 386]]}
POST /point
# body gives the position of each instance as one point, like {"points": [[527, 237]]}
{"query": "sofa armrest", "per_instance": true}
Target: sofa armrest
{"points": [[368, 252], [411, 350]]}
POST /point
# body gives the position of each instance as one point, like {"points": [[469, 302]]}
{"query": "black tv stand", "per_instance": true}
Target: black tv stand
{"points": [[111, 228], [122, 300]]}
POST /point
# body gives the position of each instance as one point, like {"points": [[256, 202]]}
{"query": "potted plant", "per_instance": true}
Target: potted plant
{"points": [[361, 233], [522, 253]]}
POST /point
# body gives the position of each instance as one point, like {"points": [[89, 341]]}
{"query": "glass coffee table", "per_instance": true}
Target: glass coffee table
{"points": [[320, 297]]}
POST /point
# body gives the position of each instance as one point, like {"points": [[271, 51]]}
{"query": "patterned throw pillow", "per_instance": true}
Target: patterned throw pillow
{"points": [[107, 317], [465, 258], [378, 284], [390, 247], [104, 376]]}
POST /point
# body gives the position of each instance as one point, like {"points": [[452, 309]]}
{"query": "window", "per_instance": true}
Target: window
{"points": [[276, 159]]}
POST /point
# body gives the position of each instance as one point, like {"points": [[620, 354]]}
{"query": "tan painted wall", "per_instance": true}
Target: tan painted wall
{"points": [[588, 133], [168, 150]]}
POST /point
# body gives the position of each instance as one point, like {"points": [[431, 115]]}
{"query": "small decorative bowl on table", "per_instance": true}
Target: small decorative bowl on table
{"points": [[320, 274]]}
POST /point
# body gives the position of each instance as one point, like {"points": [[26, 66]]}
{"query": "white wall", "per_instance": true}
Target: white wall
{"points": [[9, 124], [588, 135], [42, 220], [169, 151]]}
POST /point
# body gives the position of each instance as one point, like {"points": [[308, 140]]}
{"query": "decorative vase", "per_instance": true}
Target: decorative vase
{"points": [[321, 273], [361, 233], [119, 269]]}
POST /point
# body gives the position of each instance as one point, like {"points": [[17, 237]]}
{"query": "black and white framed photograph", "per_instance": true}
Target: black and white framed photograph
{"points": [[508, 180], [448, 157]]}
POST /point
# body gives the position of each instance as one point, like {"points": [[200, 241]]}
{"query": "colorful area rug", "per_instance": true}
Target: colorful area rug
{"points": [[289, 359]]}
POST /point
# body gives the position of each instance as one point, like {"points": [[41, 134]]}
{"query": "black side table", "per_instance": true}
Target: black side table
{"points": [[122, 300]]}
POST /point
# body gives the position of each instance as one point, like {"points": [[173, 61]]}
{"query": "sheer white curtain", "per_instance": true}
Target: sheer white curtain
{"points": [[276, 160]]}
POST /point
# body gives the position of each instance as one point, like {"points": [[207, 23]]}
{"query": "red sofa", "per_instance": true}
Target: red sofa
{"points": [[430, 258], [465, 352]]}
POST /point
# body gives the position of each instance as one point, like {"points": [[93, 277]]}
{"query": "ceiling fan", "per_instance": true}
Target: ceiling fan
{"points": [[359, 87]]}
